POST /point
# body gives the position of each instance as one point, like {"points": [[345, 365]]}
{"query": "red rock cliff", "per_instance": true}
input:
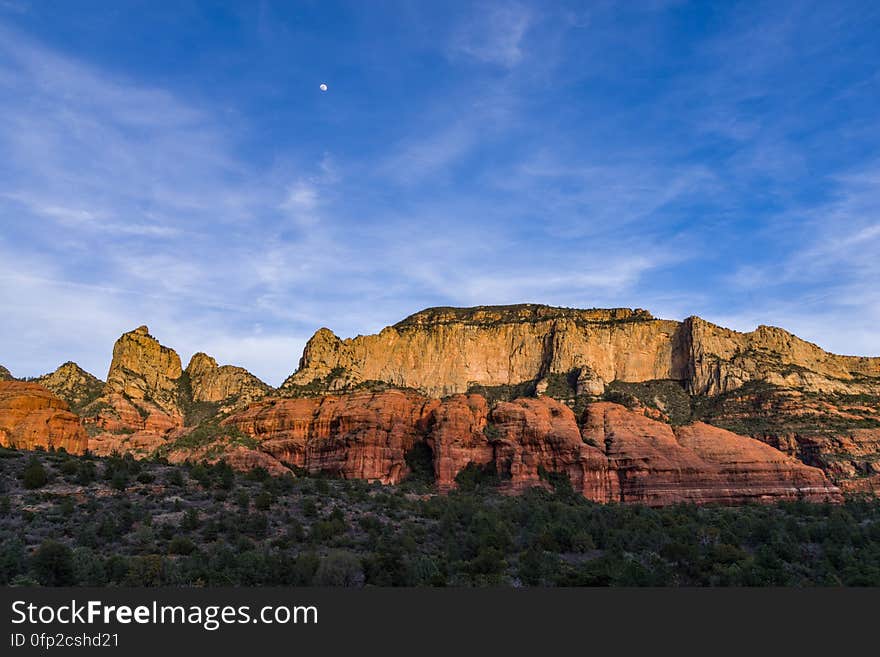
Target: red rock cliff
{"points": [[32, 417], [617, 454], [658, 464], [358, 436]]}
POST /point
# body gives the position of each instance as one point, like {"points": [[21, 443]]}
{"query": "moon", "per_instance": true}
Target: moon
{"points": [[323, 87]]}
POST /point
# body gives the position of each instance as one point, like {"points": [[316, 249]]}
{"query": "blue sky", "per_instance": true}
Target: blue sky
{"points": [[178, 166]]}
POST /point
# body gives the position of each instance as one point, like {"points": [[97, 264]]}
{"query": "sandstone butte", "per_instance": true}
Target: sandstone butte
{"points": [[705, 414], [31, 417], [442, 351]]}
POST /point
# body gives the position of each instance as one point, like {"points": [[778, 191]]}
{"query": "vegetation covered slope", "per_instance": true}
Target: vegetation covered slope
{"points": [[85, 521]]}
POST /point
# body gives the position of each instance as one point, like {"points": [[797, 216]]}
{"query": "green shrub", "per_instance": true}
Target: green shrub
{"points": [[34, 474], [190, 520], [86, 473], [263, 501], [69, 468], [175, 478], [340, 569], [52, 564], [475, 477], [181, 545]]}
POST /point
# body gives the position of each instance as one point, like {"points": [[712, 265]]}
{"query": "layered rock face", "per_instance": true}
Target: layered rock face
{"points": [[32, 417], [836, 432], [358, 436], [815, 405], [721, 360], [850, 457], [244, 460], [660, 464], [140, 444], [446, 350], [538, 436], [459, 435], [212, 383], [74, 385], [5, 375], [618, 455]]}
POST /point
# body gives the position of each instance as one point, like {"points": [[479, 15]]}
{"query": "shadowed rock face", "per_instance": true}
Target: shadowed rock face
{"points": [[443, 351], [32, 417], [538, 436], [5, 375], [460, 434]]}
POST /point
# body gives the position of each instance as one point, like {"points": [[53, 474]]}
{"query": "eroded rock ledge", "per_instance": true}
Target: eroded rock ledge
{"points": [[32, 417], [615, 455], [443, 351]]}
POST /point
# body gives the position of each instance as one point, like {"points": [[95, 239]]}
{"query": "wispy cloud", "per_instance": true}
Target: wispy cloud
{"points": [[113, 195], [832, 267], [518, 152], [494, 35]]}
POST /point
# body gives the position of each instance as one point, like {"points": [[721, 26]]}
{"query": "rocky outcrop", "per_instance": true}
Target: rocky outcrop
{"points": [[505, 387], [448, 351], [243, 459], [536, 437], [140, 444], [357, 436], [752, 469], [460, 434], [5, 375], [231, 386], [658, 464], [142, 395], [149, 404], [74, 385], [31, 417], [851, 458], [443, 351], [835, 432], [721, 360], [144, 371], [616, 455], [767, 383]]}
